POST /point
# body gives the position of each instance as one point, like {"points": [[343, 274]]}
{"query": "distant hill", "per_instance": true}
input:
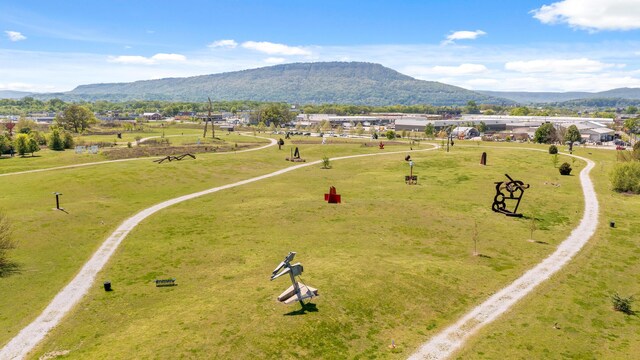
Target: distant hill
{"points": [[613, 96], [11, 94], [304, 83]]}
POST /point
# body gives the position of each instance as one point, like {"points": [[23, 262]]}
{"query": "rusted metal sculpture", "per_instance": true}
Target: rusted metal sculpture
{"points": [[514, 191], [332, 197], [171, 158], [483, 159]]}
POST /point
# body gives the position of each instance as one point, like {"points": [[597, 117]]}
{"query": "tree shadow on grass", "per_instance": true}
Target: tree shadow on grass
{"points": [[9, 268], [308, 307]]}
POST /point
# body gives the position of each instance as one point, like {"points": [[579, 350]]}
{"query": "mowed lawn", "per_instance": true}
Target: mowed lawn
{"points": [[46, 158], [393, 262], [53, 245], [578, 298]]}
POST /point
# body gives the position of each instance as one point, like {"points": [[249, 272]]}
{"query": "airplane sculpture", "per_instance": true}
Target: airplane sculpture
{"points": [[295, 292]]}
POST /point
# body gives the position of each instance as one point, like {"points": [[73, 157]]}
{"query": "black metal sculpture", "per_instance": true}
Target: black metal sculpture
{"points": [[514, 191]]}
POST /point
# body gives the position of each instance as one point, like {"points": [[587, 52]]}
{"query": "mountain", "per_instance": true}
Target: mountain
{"points": [[304, 83], [11, 94], [523, 97]]}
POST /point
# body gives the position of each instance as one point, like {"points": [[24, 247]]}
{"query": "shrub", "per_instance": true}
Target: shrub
{"points": [[68, 140], [326, 164], [625, 177], [565, 169], [553, 149], [622, 304]]}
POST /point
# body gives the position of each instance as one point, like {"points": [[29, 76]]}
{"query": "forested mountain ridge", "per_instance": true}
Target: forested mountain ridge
{"points": [[573, 97], [302, 83]]}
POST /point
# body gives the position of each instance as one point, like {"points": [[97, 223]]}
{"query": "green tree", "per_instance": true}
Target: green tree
{"points": [[429, 130], [325, 126], [520, 111], [359, 129], [390, 134], [68, 140], [275, 114], [545, 134], [21, 144], [482, 127], [55, 141], [5, 144], [33, 146], [75, 118], [472, 108], [632, 125], [261, 126], [572, 135], [631, 110]]}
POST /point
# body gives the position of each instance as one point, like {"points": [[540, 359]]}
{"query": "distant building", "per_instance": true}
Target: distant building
{"points": [[152, 116], [465, 132]]}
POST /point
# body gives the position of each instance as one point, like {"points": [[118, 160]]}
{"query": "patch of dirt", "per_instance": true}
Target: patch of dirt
{"points": [[54, 354], [142, 151]]}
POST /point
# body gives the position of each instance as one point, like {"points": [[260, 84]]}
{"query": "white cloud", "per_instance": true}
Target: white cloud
{"points": [[582, 65], [274, 49], [274, 60], [20, 87], [15, 36], [141, 60], [462, 35], [460, 70], [230, 44], [592, 15], [169, 57], [130, 59]]}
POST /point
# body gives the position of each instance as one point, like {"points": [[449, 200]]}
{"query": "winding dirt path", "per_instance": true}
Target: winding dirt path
{"points": [[445, 343], [31, 335]]}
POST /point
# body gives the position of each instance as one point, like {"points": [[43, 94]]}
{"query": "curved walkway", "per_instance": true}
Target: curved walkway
{"points": [[70, 295], [272, 142], [445, 343]]}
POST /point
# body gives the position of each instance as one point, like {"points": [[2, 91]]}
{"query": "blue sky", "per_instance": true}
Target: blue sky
{"points": [[563, 45]]}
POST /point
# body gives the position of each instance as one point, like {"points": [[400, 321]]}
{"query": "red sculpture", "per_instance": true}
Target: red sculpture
{"points": [[381, 145], [332, 197]]}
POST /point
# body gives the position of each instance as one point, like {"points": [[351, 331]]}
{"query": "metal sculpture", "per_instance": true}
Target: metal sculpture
{"points": [[57, 194], [295, 156], [297, 291], [332, 197], [381, 145], [411, 179], [514, 191], [483, 159]]}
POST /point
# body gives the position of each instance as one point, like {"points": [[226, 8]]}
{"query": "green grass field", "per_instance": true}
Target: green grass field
{"points": [[392, 262]]}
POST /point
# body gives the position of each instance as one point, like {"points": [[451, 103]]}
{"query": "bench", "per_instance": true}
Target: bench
{"points": [[411, 179], [165, 282]]}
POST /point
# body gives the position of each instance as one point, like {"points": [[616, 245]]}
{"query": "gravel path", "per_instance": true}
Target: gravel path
{"points": [[27, 339], [272, 142], [444, 344]]}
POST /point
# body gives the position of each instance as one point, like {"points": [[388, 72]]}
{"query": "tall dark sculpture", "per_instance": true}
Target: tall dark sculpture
{"points": [[513, 190]]}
